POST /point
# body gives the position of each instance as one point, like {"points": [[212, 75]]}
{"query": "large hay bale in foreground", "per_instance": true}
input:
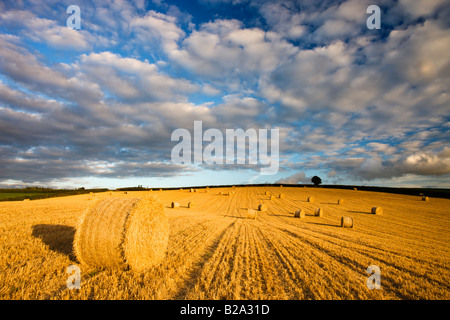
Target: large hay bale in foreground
{"points": [[377, 210], [251, 214], [347, 222], [122, 233], [299, 214]]}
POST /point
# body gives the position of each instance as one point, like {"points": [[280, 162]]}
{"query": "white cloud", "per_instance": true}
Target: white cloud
{"points": [[132, 79], [296, 178], [421, 8], [224, 48]]}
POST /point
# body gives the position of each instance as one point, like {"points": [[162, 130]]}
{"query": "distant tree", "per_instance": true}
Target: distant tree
{"points": [[316, 180], [82, 188]]}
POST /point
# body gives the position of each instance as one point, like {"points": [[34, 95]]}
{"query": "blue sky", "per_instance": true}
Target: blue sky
{"points": [[96, 107]]}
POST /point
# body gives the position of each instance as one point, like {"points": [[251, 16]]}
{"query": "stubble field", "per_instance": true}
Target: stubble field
{"points": [[214, 252]]}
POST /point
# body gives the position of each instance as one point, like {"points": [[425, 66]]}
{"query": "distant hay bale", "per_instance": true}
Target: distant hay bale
{"points": [[262, 207], [221, 192], [207, 190], [377, 210], [318, 212], [271, 197], [175, 205], [267, 193], [26, 199], [341, 201], [125, 192], [355, 189], [160, 190], [191, 204], [281, 186], [299, 214], [191, 190], [195, 190], [123, 233], [251, 214], [425, 198], [310, 199], [421, 194], [346, 222], [281, 196]]}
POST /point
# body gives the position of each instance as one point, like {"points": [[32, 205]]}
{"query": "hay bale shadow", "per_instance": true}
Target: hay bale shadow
{"points": [[58, 238], [363, 212]]}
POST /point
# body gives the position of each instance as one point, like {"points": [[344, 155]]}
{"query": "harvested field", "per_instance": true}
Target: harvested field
{"points": [[215, 252]]}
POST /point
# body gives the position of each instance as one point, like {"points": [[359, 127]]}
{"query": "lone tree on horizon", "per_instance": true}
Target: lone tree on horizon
{"points": [[316, 180]]}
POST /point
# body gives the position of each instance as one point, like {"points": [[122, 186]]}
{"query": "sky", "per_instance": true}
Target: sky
{"points": [[96, 106]]}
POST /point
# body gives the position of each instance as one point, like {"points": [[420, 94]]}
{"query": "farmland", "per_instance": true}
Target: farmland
{"points": [[214, 252]]}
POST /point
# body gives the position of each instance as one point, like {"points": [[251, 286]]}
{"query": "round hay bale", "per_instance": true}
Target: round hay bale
{"points": [[175, 205], [310, 199], [191, 204], [355, 189], [122, 233], [191, 190], [267, 193], [281, 196], [281, 186], [262, 207], [299, 214], [26, 199], [347, 222], [251, 214], [271, 197], [207, 190], [318, 212], [125, 192], [425, 198], [377, 210], [341, 201]]}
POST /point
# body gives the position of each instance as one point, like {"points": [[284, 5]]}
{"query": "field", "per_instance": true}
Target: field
{"points": [[215, 253]]}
